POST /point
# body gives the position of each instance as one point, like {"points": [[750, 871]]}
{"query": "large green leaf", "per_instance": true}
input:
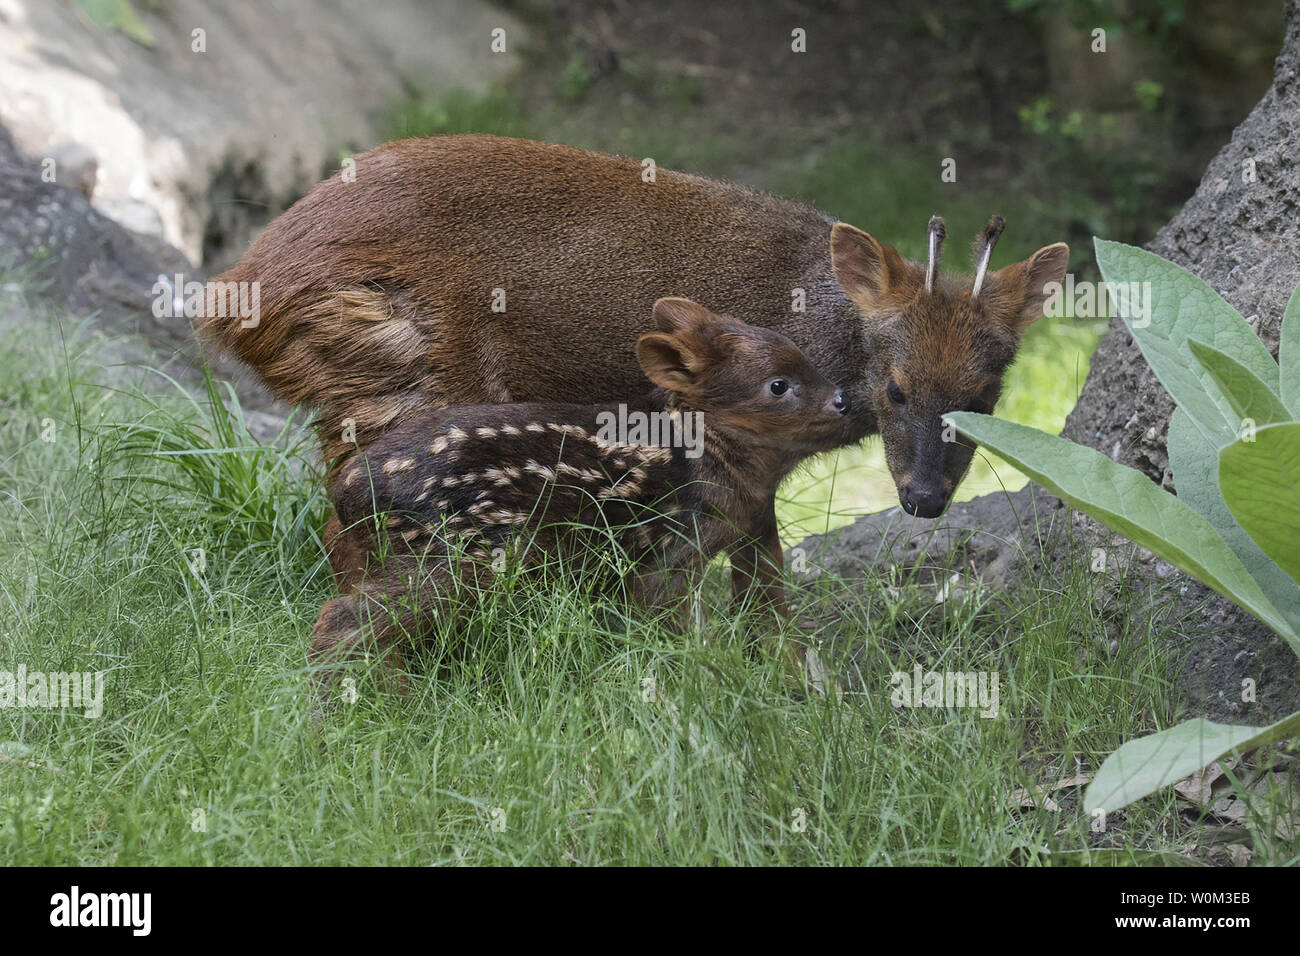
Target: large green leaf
{"points": [[1261, 484], [1195, 463], [1249, 397], [1183, 306], [1141, 767], [1289, 355], [1129, 502]]}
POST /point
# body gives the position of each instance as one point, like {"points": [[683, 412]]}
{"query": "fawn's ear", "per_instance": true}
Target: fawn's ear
{"points": [[866, 270], [676, 315], [670, 361], [674, 356], [1015, 294]]}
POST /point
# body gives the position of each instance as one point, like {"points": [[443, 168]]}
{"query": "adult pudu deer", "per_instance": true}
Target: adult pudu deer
{"points": [[485, 270], [425, 508]]}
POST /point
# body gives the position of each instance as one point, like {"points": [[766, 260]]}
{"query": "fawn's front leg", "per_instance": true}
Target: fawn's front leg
{"points": [[756, 565], [341, 628], [671, 583]]}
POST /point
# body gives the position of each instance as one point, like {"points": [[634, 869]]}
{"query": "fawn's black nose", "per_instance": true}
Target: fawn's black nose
{"points": [[841, 402], [923, 503]]}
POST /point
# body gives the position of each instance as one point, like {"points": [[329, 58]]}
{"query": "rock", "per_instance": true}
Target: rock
{"points": [[134, 215], [983, 535], [74, 262], [1242, 237], [235, 110], [81, 261], [75, 166]]}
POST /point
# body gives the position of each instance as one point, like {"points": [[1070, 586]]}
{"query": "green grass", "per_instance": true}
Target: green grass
{"points": [[533, 714]]}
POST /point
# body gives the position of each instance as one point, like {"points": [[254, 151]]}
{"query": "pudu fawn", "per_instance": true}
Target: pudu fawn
{"points": [[432, 500]]}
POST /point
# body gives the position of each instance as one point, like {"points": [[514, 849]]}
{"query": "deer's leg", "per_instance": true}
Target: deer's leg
{"points": [[392, 608], [672, 585], [348, 551], [367, 620], [756, 565], [383, 604]]}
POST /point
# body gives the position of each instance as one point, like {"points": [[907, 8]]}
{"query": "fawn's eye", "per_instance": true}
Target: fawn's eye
{"points": [[896, 394], [778, 387]]}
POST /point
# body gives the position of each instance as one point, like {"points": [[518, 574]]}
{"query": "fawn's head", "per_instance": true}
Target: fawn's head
{"points": [[936, 345], [746, 380]]}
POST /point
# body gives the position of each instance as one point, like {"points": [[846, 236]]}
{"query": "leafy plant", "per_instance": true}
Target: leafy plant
{"points": [[501, 114], [1149, 93], [1157, 19], [1234, 448], [575, 81]]}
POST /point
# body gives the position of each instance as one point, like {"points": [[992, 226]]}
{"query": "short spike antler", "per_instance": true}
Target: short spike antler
{"points": [[984, 251], [937, 234]]}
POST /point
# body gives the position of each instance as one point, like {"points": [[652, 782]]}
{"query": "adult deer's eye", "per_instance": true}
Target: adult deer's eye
{"points": [[896, 394], [983, 404], [779, 387]]}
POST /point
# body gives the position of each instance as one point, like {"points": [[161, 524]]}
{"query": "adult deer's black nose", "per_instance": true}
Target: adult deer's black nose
{"points": [[923, 502]]}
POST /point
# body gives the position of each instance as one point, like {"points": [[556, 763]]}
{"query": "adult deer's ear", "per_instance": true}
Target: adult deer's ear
{"points": [[1015, 294], [867, 271]]}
